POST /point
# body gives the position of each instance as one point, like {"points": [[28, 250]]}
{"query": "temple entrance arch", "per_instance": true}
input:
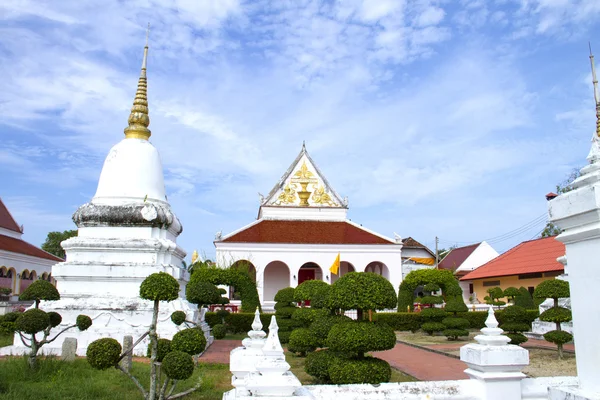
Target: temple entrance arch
{"points": [[275, 277], [7, 278], [245, 266], [345, 267], [309, 271], [27, 279], [379, 268]]}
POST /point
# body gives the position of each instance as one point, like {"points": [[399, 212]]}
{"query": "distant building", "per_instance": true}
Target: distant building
{"points": [[21, 263], [527, 264], [463, 260], [415, 256]]}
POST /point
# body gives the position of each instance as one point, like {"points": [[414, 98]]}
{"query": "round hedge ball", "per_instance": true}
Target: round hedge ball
{"points": [[178, 317], [55, 319], [360, 337], [191, 341], [83, 322], [368, 370], [103, 353], [219, 331], [164, 348], [40, 290], [159, 286], [178, 365], [32, 321]]}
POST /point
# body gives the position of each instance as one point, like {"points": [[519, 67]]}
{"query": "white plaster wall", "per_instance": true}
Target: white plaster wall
{"points": [[9, 233], [303, 213], [22, 262], [482, 254], [295, 255], [276, 276]]}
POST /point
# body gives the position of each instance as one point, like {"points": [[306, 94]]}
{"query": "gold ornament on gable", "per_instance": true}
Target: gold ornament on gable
{"points": [[322, 198], [287, 196]]}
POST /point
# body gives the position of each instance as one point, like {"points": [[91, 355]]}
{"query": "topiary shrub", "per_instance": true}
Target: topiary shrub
{"points": [[83, 322], [524, 299], [401, 321], [302, 341], [178, 317], [494, 296], [555, 289], [368, 370], [7, 323], [285, 295], [178, 365], [159, 287], [455, 325], [360, 337], [306, 316], [201, 293], [164, 348], [103, 353], [433, 315], [443, 278], [304, 293], [318, 362], [284, 308], [511, 293], [32, 321], [191, 341], [219, 331], [514, 321], [433, 327], [40, 290], [320, 327], [55, 319], [320, 299]]}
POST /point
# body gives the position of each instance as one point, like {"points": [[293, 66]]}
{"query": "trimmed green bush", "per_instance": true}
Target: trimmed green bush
{"points": [[443, 278], [191, 341], [239, 279], [219, 331], [433, 327], [178, 365], [306, 316], [307, 289], [321, 327], [178, 317], [558, 337], [285, 295], [318, 362], [362, 291], [514, 321], [285, 312], [7, 323], [55, 319], [164, 348], [511, 293], [551, 289], [320, 298], [430, 300], [39, 290], [360, 337], [476, 318], [83, 322], [368, 370], [201, 293], [555, 289], [433, 314], [455, 325], [32, 321], [556, 314], [524, 299], [284, 308], [159, 286], [302, 341], [103, 353], [431, 287], [401, 321]]}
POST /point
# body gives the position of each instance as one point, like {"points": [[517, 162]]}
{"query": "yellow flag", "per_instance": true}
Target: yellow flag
{"points": [[335, 267]]}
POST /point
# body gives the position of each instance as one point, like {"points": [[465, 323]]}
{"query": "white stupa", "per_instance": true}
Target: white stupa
{"points": [[127, 232]]}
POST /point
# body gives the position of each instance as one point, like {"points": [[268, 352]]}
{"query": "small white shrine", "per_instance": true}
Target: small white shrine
{"points": [[301, 228], [126, 233]]}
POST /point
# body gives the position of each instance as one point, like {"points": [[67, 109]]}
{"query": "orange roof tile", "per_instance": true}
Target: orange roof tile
{"points": [[305, 232], [528, 257]]}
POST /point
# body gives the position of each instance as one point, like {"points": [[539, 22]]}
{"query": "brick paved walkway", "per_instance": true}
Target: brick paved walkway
{"points": [[218, 351], [422, 364]]}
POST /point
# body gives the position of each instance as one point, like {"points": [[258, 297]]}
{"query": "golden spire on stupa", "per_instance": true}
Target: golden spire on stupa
{"points": [[596, 94], [138, 118]]}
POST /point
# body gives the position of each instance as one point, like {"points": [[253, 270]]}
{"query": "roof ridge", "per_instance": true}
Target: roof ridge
{"points": [[12, 219]]}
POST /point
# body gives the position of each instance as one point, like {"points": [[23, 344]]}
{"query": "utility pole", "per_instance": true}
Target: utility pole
{"points": [[437, 240]]}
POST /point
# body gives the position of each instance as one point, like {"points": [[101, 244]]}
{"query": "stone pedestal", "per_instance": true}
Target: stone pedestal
{"points": [[69, 349], [494, 364]]}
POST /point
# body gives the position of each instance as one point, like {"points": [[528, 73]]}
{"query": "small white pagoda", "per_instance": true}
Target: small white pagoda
{"points": [[126, 232]]}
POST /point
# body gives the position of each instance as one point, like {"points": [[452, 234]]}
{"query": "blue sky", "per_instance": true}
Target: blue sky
{"points": [[451, 118]]}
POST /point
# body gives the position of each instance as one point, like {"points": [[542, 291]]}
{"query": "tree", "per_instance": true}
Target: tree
{"points": [[514, 321], [494, 296], [555, 289], [524, 299], [53, 240], [173, 357], [511, 293], [35, 321], [443, 278], [455, 325]]}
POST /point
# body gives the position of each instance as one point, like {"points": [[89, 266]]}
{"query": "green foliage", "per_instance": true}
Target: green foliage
{"points": [[306, 316], [201, 292], [433, 327], [32, 321], [7, 328], [55, 319], [164, 348], [515, 320], [443, 278], [320, 327], [307, 290], [362, 291], [302, 341], [53, 240], [178, 365], [516, 338], [433, 314], [178, 317], [284, 337], [159, 286], [552, 288], [10, 317], [495, 293], [558, 337], [455, 306], [556, 314], [285, 312], [456, 323], [455, 333], [368, 370], [318, 362], [524, 299], [511, 292], [83, 322], [360, 337], [103, 353], [285, 295], [219, 331], [320, 298], [191, 341], [431, 287], [430, 300], [476, 318], [238, 278], [40, 290], [400, 321]]}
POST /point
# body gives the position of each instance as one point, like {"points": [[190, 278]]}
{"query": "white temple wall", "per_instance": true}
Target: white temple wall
{"points": [[276, 276]]}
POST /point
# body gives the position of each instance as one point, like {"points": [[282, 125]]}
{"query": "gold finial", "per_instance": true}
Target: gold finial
{"points": [[596, 95], [138, 118], [194, 256]]}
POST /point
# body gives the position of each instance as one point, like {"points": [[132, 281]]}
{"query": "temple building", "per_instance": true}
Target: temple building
{"points": [[302, 227], [21, 263]]}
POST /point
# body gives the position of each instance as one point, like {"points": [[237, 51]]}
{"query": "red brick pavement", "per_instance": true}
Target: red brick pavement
{"points": [[422, 364], [218, 351]]}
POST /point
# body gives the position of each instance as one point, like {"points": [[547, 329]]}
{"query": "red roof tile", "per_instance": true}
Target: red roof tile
{"points": [[528, 257], [306, 232], [22, 247], [456, 257], [409, 242], [6, 220]]}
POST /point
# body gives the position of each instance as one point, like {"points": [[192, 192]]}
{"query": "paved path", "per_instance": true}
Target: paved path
{"points": [[422, 364], [218, 351]]}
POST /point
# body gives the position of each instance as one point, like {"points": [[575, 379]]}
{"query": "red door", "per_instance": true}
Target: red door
{"points": [[306, 275]]}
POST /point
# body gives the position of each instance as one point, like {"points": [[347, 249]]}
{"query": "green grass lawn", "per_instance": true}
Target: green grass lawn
{"points": [[6, 340]]}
